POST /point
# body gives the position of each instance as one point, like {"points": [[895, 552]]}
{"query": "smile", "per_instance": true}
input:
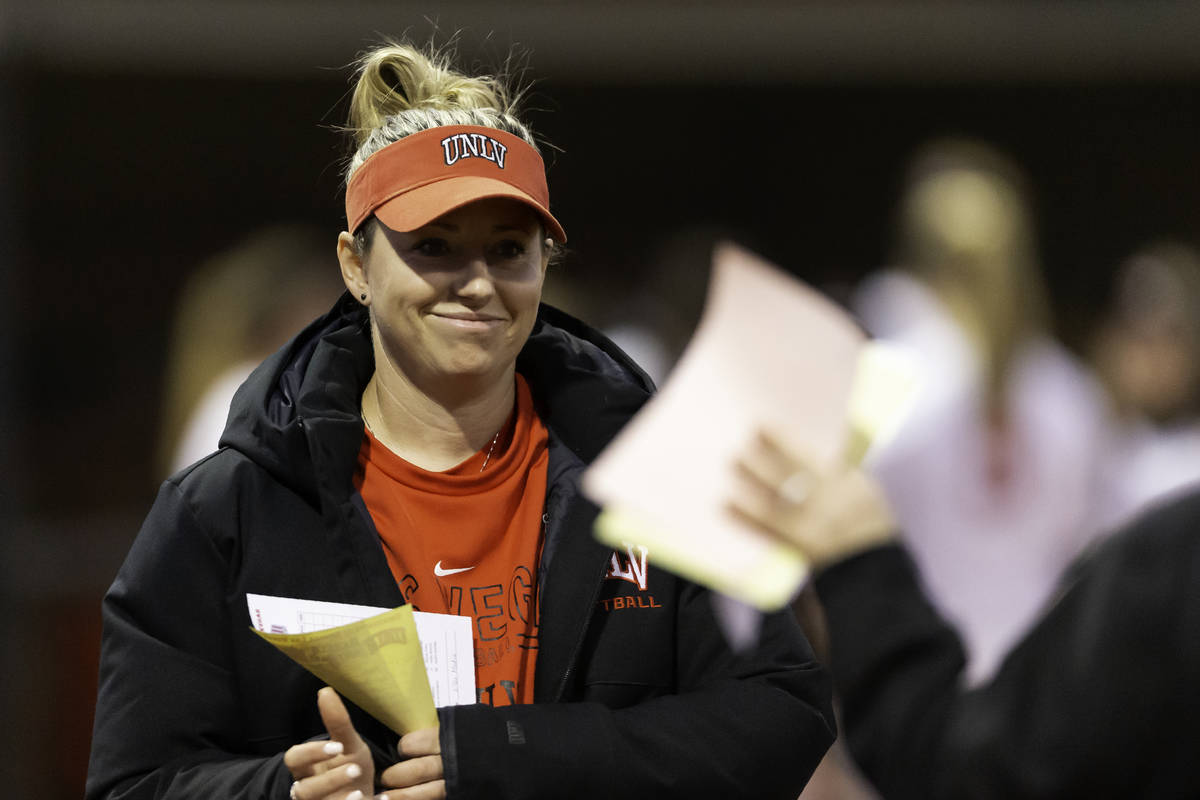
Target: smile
{"points": [[469, 322]]}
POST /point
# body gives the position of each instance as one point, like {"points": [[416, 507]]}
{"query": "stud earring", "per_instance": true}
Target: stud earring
{"points": [[362, 296]]}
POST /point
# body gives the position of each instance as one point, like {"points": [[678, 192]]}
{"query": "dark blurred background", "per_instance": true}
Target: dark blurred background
{"points": [[138, 139]]}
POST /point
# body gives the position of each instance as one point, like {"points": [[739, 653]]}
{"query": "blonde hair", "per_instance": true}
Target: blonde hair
{"points": [[401, 90], [235, 308], [967, 230]]}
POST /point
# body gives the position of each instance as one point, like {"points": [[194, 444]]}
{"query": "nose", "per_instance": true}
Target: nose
{"points": [[474, 283]]}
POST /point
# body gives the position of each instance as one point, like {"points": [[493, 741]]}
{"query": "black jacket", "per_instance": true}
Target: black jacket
{"points": [[638, 699], [1100, 699]]}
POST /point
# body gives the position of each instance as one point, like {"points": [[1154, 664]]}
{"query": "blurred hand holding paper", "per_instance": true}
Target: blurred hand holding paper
{"points": [[398, 665], [769, 352]]}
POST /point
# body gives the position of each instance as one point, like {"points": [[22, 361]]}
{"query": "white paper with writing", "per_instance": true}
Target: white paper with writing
{"points": [[446, 642]]}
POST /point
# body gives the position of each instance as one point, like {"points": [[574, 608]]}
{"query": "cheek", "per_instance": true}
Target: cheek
{"points": [[396, 308], [523, 296], [402, 293], [530, 299]]}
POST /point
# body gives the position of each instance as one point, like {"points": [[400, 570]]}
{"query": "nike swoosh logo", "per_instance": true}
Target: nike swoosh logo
{"points": [[441, 573]]}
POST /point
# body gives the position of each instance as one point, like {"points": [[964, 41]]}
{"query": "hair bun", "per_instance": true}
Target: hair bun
{"points": [[395, 78]]}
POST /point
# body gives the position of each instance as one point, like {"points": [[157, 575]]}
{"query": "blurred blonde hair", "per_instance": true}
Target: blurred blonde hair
{"points": [[966, 229], [238, 306]]}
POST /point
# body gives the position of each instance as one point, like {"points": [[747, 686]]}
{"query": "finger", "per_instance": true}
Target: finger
{"points": [[752, 516], [782, 453], [756, 475], [796, 488], [435, 790], [337, 718], [413, 772], [425, 742], [781, 525], [777, 456], [773, 504], [755, 486], [767, 462], [302, 759], [792, 476], [327, 783]]}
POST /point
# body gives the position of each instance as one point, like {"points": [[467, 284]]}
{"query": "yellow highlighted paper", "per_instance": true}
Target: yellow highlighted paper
{"points": [[885, 385], [376, 663]]}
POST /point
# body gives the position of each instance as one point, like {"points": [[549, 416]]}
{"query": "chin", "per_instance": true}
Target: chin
{"points": [[472, 367]]}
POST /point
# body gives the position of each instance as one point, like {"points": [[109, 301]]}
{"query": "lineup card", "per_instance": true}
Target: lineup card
{"points": [[446, 644]]}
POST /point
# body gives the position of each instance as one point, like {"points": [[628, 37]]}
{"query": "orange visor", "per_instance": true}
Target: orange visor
{"points": [[414, 181]]}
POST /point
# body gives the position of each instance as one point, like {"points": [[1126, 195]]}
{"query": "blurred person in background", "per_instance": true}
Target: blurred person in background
{"points": [[1147, 353], [437, 415], [656, 317], [234, 311], [993, 475], [1097, 699]]}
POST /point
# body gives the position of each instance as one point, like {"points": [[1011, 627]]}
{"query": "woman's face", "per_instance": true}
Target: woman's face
{"points": [[456, 299]]}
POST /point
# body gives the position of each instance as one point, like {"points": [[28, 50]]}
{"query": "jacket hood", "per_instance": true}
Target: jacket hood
{"points": [[298, 415]]}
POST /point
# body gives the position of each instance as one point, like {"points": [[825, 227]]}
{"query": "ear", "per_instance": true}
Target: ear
{"points": [[354, 273]]}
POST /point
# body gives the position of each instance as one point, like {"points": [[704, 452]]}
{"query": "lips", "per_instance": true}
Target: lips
{"points": [[467, 316], [467, 320]]}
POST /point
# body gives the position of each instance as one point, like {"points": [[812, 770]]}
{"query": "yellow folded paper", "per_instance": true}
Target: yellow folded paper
{"points": [[375, 663]]}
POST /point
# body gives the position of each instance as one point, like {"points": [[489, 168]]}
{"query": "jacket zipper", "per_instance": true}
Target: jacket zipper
{"points": [[570, 670]]}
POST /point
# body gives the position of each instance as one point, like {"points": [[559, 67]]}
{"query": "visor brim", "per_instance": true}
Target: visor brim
{"points": [[424, 204]]}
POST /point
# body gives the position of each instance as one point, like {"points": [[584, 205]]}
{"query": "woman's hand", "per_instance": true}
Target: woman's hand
{"points": [[339, 769], [419, 775], [827, 516]]}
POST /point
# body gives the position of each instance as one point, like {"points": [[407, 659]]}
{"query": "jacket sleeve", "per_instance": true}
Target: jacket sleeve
{"points": [[1079, 707], [168, 717], [753, 725]]}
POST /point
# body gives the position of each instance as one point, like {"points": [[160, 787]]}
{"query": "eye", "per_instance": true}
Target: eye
{"points": [[508, 249], [431, 246]]}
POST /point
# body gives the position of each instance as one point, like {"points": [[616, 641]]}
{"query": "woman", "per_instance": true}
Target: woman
{"points": [[993, 475], [423, 442]]}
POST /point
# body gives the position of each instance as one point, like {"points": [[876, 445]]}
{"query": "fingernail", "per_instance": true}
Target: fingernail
{"points": [[355, 795], [381, 797], [333, 748], [353, 771]]}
